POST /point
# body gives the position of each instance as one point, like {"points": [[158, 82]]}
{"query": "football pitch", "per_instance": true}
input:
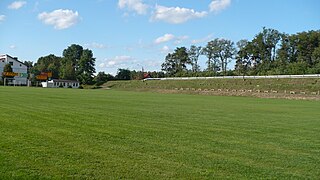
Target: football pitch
{"points": [[109, 134]]}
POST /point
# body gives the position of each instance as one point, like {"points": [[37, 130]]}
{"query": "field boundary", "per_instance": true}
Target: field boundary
{"points": [[240, 77]]}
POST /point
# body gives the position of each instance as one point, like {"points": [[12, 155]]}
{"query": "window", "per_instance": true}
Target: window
{"points": [[11, 63]]}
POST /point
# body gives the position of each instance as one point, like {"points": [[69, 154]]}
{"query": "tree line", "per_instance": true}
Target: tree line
{"points": [[78, 64], [268, 53]]}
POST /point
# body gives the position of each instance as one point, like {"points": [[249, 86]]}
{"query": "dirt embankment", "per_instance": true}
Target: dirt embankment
{"points": [[277, 95]]}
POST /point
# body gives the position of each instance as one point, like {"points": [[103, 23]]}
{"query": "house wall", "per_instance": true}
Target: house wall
{"points": [[17, 67]]}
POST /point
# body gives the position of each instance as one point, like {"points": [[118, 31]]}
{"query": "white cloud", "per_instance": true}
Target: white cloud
{"points": [[164, 38], [2, 18], [202, 40], [118, 61], [12, 46], [60, 18], [175, 15], [95, 45], [111, 63], [101, 65], [218, 5], [17, 4], [122, 58], [133, 5], [165, 49], [180, 39], [151, 64]]}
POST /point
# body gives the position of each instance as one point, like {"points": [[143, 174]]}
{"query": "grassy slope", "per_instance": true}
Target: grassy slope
{"points": [[63, 133], [305, 85]]}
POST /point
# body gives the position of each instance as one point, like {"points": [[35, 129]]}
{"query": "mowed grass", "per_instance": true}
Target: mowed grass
{"points": [[99, 134]]}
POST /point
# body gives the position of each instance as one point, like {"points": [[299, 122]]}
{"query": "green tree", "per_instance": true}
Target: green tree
{"points": [[85, 67], [176, 63], [210, 50], [169, 65], [70, 60], [301, 49], [182, 60], [123, 74], [29, 64], [308, 42], [297, 68], [315, 58], [194, 52], [263, 48], [50, 63], [101, 78], [68, 71], [7, 68], [219, 53], [243, 61], [225, 53], [78, 64]]}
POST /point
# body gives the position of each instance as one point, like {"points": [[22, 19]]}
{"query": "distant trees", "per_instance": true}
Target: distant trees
{"points": [[269, 52], [101, 78], [76, 64], [243, 59], [123, 74], [176, 62], [50, 63], [86, 68], [194, 52], [219, 53], [126, 74], [70, 60], [210, 51], [224, 52]]}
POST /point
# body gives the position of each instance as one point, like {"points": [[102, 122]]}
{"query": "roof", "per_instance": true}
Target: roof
{"points": [[14, 58], [64, 80]]}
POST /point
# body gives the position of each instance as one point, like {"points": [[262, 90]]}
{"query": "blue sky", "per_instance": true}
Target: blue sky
{"points": [[135, 33]]}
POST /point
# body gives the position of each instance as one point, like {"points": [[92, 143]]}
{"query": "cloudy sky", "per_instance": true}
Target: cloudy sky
{"points": [[135, 33]]}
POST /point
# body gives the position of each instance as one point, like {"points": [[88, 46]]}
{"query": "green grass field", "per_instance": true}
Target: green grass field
{"points": [[99, 134]]}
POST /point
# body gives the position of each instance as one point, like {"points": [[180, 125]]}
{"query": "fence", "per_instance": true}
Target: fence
{"points": [[241, 77]]}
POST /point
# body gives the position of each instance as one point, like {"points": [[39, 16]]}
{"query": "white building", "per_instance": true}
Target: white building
{"points": [[56, 83], [18, 67]]}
